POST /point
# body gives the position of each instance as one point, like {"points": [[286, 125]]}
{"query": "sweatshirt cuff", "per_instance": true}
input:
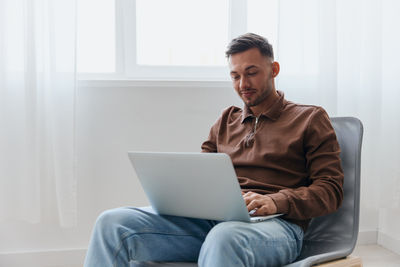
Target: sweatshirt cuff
{"points": [[281, 202]]}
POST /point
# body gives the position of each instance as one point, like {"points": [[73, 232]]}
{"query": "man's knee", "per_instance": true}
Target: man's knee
{"points": [[114, 219]]}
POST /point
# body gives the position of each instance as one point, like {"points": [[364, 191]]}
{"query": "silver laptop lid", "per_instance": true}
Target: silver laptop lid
{"points": [[198, 185]]}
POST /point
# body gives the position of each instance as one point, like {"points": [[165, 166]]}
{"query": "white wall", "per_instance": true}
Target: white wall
{"points": [[111, 121], [115, 117]]}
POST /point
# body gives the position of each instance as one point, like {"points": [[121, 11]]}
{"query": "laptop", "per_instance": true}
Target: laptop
{"points": [[196, 185]]}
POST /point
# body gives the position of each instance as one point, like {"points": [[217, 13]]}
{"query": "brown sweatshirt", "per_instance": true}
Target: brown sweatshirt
{"points": [[289, 152]]}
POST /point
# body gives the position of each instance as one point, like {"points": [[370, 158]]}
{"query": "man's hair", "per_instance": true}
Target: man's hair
{"points": [[247, 41]]}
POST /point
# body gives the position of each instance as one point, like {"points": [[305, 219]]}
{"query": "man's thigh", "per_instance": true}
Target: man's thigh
{"points": [[273, 242], [147, 236]]}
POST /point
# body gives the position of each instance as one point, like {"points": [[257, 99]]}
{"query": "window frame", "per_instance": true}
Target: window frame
{"points": [[125, 50]]}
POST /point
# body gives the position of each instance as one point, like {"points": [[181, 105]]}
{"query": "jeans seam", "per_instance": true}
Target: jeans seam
{"points": [[123, 238]]}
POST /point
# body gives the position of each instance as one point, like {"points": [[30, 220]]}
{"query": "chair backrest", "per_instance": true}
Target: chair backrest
{"points": [[337, 232]]}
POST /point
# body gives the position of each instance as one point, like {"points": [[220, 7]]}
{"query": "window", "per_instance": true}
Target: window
{"points": [[194, 37], [96, 36], [166, 39]]}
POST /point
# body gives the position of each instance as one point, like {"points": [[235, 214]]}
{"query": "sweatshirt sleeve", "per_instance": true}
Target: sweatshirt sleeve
{"points": [[210, 145], [325, 192]]}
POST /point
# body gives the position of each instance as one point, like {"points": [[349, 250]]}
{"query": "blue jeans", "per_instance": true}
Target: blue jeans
{"points": [[124, 235]]}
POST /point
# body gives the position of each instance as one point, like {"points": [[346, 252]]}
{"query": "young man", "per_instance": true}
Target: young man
{"points": [[286, 157]]}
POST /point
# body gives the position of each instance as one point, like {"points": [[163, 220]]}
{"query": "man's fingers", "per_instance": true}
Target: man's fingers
{"points": [[267, 207], [263, 205], [263, 211], [249, 196], [254, 204], [247, 200], [250, 193]]}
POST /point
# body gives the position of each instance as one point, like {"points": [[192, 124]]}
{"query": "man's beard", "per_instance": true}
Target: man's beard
{"points": [[260, 99]]}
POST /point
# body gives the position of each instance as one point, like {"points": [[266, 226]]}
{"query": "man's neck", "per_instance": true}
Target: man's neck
{"points": [[266, 104]]}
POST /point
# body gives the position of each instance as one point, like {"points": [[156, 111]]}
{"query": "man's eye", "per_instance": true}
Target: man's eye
{"points": [[235, 77], [252, 73]]}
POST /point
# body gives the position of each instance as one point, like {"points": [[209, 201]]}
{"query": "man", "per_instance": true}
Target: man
{"points": [[286, 157]]}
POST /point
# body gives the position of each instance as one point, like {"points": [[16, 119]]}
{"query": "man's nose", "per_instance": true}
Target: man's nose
{"points": [[244, 83]]}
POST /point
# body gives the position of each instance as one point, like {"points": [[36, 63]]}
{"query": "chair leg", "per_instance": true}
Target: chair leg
{"points": [[350, 261]]}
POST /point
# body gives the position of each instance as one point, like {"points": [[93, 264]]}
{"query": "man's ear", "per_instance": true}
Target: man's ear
{"points": [[275, 68]]}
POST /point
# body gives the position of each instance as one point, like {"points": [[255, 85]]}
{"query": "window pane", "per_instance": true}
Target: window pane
{"points": [[262, 19], [182, 32], [96, 36]]}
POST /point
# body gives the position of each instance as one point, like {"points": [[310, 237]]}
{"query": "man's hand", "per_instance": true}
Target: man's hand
{"points": [[263, 204]]}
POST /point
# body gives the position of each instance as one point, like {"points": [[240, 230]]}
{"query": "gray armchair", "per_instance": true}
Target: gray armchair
{"points": [[333, 236]]}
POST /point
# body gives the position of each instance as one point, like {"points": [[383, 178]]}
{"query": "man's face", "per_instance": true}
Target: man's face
{"points": [[252, 76]]}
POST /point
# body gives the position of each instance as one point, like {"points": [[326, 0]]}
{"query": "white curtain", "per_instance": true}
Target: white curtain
{"points": [[345, 56], [37, 91]]}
